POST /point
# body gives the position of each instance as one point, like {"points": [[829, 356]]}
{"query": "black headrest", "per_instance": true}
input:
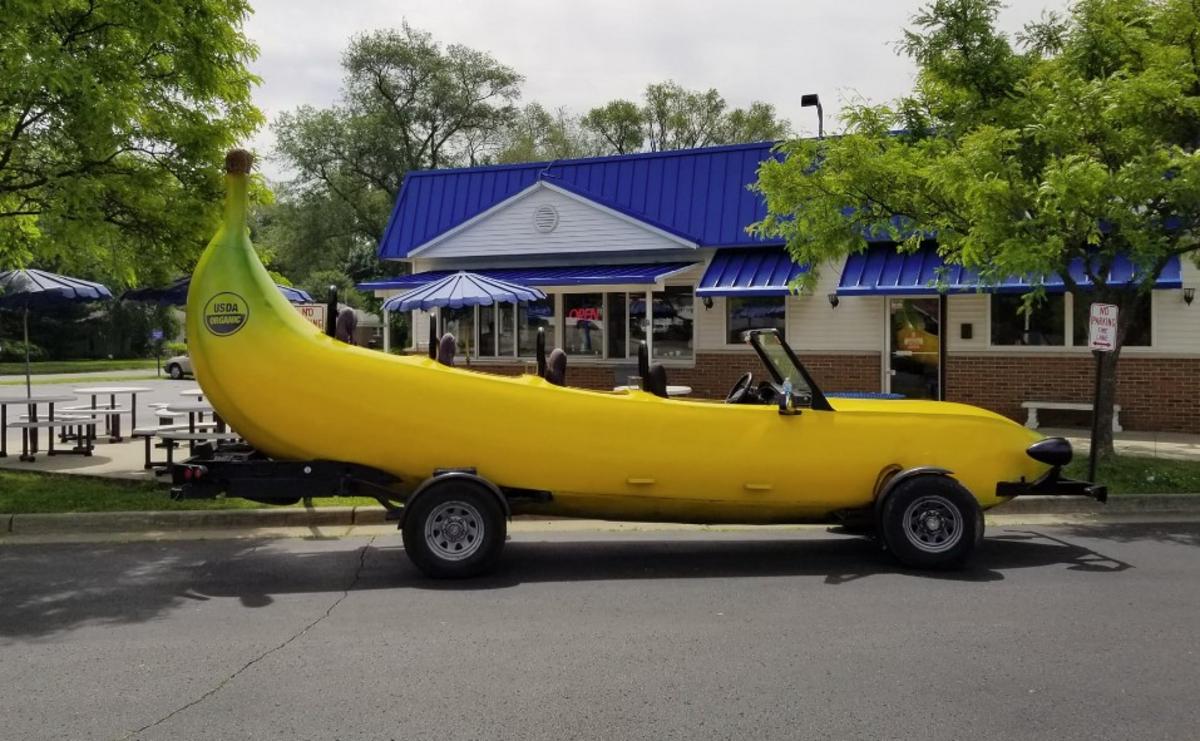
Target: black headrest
{"points": [[446, 349], [541, 352], [656, 381], [643, 360], [556, 367]]}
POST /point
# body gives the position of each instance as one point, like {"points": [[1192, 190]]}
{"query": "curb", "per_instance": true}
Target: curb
{"points": [[281, 517]]}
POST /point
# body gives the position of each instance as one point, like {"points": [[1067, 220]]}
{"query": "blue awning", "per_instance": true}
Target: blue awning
{"points": [[575, 275], [749, 272], [881, 270]]}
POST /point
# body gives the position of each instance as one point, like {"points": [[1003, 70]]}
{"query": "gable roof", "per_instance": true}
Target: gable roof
{"points": [[701, 195]]}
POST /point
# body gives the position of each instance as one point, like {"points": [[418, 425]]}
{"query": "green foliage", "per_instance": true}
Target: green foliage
{"points": [[318, 282], [672, 117], [115, 117], [1015, 159], [407, 104], [1076, 145], [13, 351]]}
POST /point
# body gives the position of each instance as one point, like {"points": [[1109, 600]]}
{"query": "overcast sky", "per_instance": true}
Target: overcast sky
{"points": [[580, 53]]}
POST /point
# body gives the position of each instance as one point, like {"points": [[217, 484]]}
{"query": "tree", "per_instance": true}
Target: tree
{"points": [[114, 117], [1076, 145], [673, 117], [536, 134], [619, 123], [407, 104]]}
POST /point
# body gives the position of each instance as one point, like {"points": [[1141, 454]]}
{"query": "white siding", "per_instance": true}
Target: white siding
{"points": [[509, 231], [856, 324], [970, 308], [709, 325], [1176, 325]]}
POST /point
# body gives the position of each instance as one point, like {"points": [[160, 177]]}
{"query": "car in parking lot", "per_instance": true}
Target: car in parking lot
{"points": [[178, 366]]}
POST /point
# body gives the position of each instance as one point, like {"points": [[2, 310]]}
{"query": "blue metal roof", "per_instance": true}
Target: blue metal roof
{"points": [[881, 270], [763, 271], [700, 194], [574, 275]]}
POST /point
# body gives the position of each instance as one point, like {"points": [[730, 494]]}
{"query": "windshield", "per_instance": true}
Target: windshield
{"points": [[784, 366]]}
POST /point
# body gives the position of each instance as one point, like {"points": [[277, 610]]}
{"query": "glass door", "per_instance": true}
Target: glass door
{"points": [[914, 337]]}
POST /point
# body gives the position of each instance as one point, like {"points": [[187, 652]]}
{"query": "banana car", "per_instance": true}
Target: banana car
{"points": [[463, 451]]}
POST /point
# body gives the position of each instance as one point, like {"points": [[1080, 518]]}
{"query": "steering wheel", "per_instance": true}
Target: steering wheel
{"points": [[740, 390]]}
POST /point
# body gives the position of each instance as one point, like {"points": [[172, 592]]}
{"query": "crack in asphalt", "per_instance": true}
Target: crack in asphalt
{"points": [[362, 561]]}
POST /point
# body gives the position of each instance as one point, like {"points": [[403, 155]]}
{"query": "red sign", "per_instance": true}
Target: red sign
{"points": [[588, 313]]}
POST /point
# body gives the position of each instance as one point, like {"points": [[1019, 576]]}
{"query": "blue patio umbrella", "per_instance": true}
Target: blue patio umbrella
{"points": [[31, 289], [458, 290], [462, 289], [176, 293]]}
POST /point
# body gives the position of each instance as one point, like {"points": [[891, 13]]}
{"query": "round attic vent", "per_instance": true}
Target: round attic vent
{"points": [[545, 218]]}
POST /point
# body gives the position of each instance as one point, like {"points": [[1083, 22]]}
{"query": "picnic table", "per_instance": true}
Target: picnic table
{"points": [[80, 422], [31, 403], [196, 409], [114, 429], [195, 391]]}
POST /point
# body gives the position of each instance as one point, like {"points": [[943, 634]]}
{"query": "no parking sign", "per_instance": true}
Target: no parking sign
{"points": [[1102, 327]]}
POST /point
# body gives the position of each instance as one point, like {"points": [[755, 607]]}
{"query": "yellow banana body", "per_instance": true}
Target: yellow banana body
{"points": [[295, 393]]}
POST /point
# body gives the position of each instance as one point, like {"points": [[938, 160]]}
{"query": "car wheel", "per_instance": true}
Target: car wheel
{"points": [[174, 371], [931, 522], [454, 530]]}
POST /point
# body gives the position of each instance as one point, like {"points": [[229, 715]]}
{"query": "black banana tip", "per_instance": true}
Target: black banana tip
{"points": [[238, 161]]}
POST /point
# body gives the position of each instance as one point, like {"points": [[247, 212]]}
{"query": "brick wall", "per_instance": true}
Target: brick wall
{"points": [[714, 373], [1161, 394]]}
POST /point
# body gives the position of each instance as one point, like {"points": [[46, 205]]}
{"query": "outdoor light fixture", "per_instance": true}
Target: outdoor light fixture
{"points": [[708, 302], [833, 300], [1189, 294], [808, 101]]}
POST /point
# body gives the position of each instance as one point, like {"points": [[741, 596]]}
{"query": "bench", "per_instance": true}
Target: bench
{"points": [[149, 433], [171, 438], [83, 445], [1034, 406]]}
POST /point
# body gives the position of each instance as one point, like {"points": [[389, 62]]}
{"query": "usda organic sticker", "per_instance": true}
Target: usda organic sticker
{"points": [[225, 313]]}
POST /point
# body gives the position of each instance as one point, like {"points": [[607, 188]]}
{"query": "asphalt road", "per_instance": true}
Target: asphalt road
{"points": [[1067, 632]]}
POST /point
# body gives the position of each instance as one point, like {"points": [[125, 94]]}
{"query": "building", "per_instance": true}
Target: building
{"points": [[653, 247]]}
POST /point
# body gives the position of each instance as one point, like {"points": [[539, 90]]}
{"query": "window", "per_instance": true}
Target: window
{"points": [[758, 312], [1043, 325], [487, 331], [615, 325], [583, 324], [637, 322], [530, 317], [508, 323], [1138, 335], [672, 314], [460, 323]]}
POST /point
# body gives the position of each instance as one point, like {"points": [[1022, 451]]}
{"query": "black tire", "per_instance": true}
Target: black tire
{"points": [[175, 372], [474, 544], [931, 522]]}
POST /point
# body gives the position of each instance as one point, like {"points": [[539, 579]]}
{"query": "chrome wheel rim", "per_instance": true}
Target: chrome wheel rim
{"points": [[454, 530], [933, 524]]}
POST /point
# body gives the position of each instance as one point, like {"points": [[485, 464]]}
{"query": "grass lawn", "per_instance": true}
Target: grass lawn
{"points": [[1139, 475], [76, 366], [23, 492], [90, 378]]}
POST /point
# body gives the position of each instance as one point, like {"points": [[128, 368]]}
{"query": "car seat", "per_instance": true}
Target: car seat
{"points": [[654, 377]]}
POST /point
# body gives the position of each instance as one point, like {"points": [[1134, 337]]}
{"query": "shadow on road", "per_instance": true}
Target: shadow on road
{"points": [[46, 589]]}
